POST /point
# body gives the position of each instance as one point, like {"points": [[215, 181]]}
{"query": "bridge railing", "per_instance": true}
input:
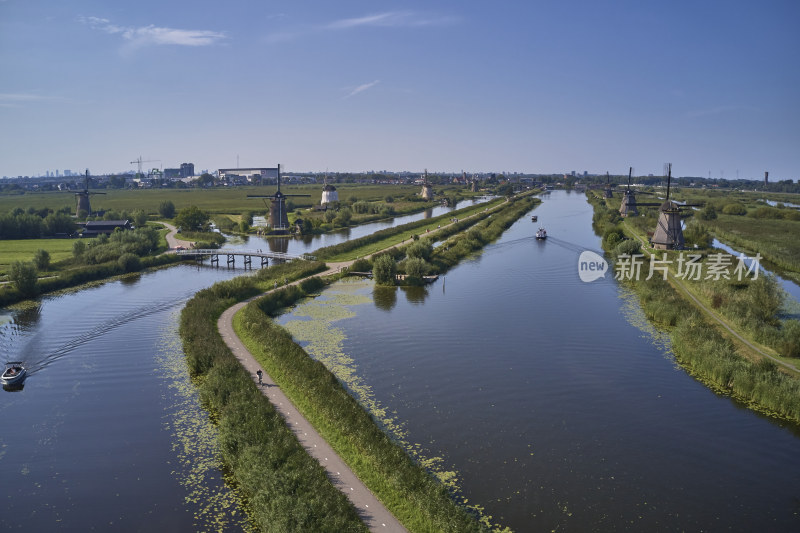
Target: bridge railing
{"points": [[194, 252]]}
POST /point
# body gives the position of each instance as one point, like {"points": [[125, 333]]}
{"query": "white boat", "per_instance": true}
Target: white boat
{"points": [[14, 373], [541, 234]]}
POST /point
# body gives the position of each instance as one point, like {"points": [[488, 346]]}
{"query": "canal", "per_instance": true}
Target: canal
{"points": [[551, 400]]}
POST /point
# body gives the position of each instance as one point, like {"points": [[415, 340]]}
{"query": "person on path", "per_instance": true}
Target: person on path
{"points": [[259, 373]]}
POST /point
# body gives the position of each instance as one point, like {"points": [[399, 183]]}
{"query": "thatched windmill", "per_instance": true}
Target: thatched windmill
{"points": [[608, 193], [83, 197], [329, 193], [628, 206], [669, 233], [278, 217]]}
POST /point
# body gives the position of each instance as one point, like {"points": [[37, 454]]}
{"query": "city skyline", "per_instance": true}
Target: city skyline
{"points": [[543, 88]]}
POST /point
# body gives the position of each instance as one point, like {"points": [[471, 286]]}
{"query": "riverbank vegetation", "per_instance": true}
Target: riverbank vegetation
{"points": [[747, 221], [285, 488], [383, 239], [698, 343], [459, 239], [88, 260]]}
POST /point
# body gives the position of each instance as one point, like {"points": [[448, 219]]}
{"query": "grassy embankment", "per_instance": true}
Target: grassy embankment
{"points": [[745, 221], [384, 239], [284, 487], [700, 345], [416, 497]]}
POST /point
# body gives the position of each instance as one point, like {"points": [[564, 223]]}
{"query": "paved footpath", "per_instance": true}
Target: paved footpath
{"points": [[372, 512]]}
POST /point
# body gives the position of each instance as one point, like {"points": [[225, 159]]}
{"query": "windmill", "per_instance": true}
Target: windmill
{"points": [[628, 206], [608, 192], [427, 189], [669, 233], [278, 219], [83, 197], [329, 193]]}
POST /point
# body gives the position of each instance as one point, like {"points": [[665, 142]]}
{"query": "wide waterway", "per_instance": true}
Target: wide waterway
{"points": [[552, 400]]}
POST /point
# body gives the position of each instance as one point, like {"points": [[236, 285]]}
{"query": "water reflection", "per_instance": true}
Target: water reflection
{"points": [[415, 295], [131, 279], [278, 244], [28, 316], [385, 297]]}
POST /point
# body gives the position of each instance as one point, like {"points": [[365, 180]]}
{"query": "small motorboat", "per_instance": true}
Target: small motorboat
{"points": [[534, 218], [14, 373], [541, 234]]}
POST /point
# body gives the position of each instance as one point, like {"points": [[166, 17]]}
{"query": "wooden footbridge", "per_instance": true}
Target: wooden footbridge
{"points": [[200, 254]]}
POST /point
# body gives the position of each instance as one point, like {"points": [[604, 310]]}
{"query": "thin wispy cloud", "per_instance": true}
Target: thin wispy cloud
{"points": [[389, 19], [155, 35], [362, 88], [19, 99], [719, 110]]}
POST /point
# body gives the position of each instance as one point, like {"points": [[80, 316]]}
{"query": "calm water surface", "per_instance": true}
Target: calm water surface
{"points": [[309, 243], [556, 404], [108, 434]]}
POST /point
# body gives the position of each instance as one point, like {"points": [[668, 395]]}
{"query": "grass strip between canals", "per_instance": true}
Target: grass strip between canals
{"points": [[284, 488]]}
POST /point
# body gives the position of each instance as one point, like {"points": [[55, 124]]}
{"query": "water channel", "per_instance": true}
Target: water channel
{"points": [[550, 398]]}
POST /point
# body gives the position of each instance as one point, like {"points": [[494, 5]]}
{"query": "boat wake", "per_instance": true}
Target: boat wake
{"points": [[86, 336]]}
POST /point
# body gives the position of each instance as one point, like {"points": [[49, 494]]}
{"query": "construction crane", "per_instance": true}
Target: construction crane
{"points": [[139, 162]]}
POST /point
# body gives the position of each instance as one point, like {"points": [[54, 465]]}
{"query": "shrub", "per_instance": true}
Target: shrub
{"points": [[24, 277], [629, 247], [709, 212], [361, 265], [789, 346], [139, 218], [420, 249], [166, 209], [612, 236], [129, 262], [192, 218], [735, 209], [78, 248], [415, 269], [42, 259], [384, 270]]}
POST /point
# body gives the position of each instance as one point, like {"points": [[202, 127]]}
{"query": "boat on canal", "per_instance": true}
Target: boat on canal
{"points": [[541, 234], [14, 373], [534, 218]]}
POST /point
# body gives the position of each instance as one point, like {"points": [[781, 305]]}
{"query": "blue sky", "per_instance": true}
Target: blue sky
{"points": [[535, 86]]}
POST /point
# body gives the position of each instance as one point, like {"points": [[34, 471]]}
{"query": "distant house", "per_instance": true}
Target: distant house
{"points": [[95, 228]]}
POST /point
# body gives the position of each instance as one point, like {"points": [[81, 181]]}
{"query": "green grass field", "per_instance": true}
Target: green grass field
{"points": [[23, 250], [216, 200]]}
